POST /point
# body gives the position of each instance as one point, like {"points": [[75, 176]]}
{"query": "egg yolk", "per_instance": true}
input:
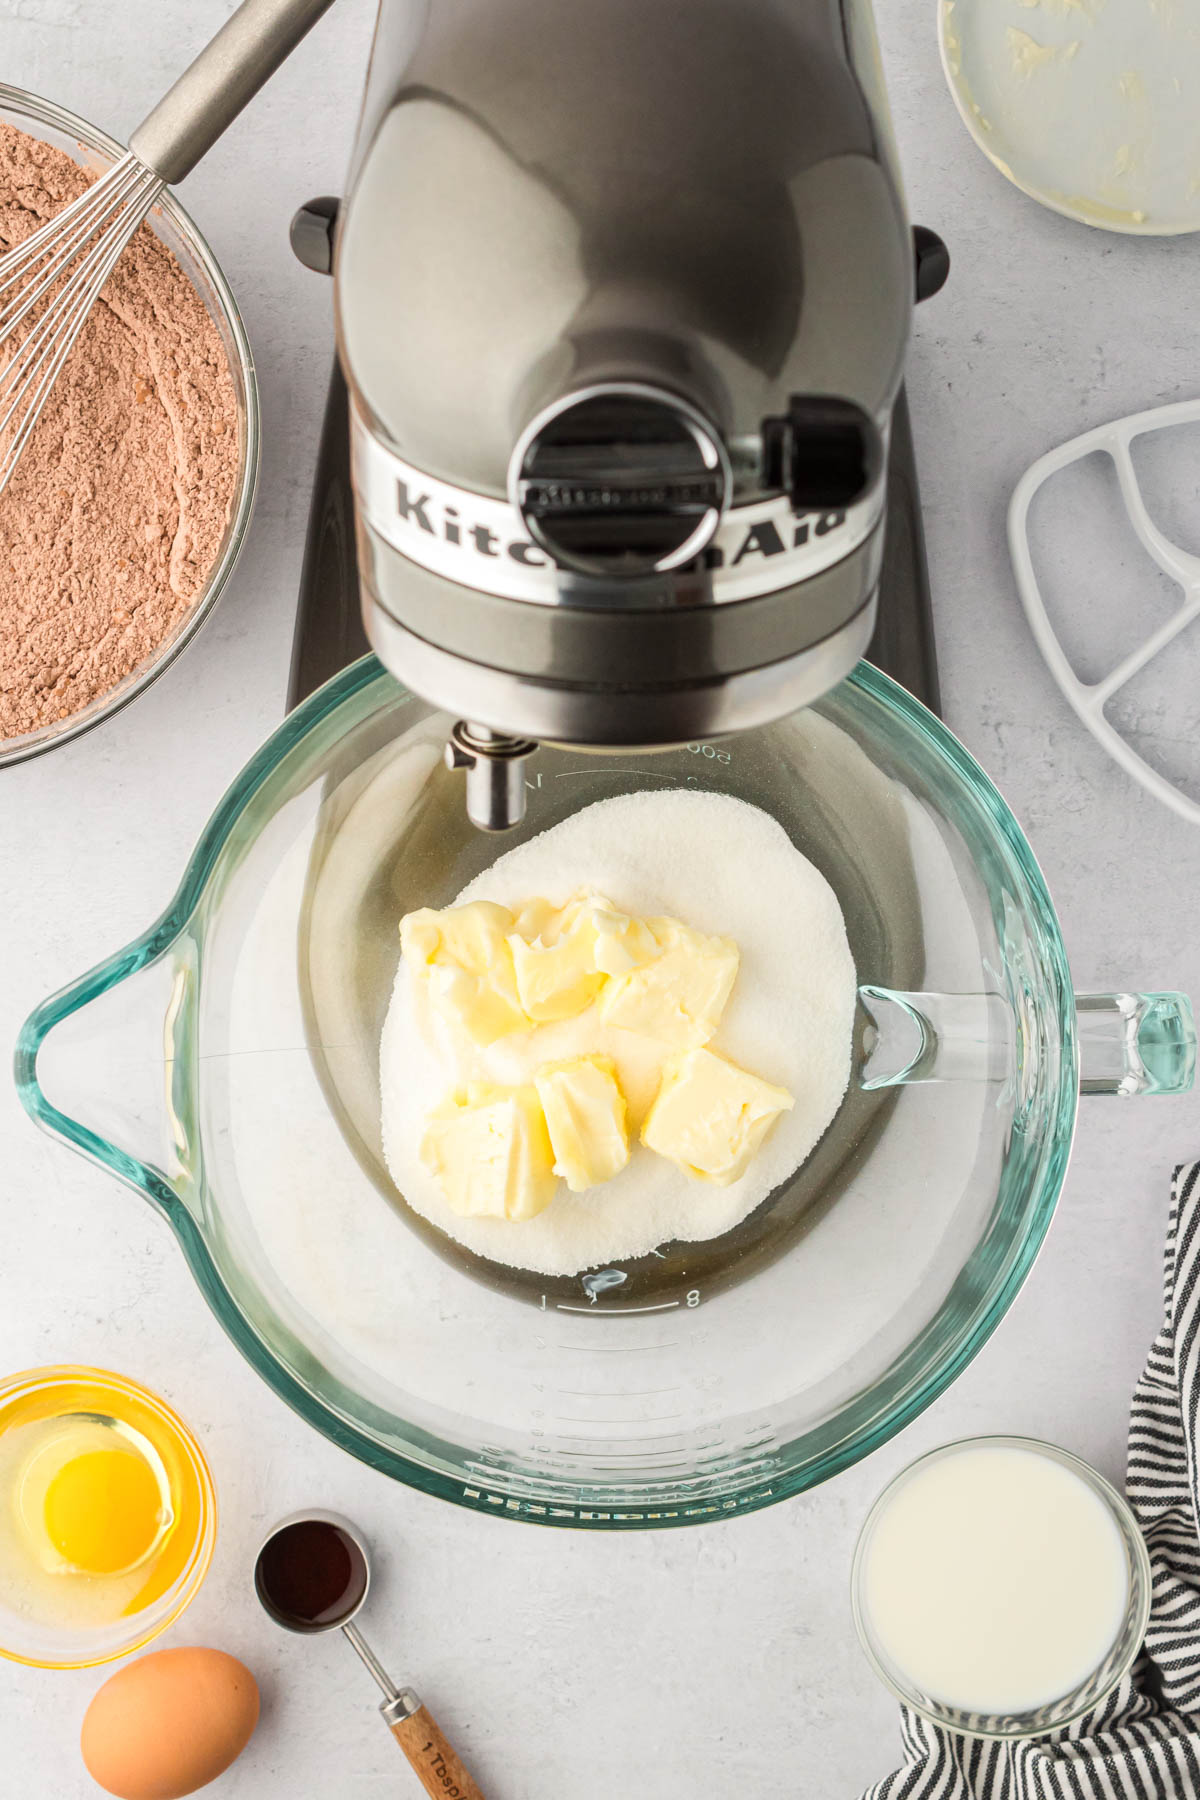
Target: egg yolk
{"points": [[102, 1510]]}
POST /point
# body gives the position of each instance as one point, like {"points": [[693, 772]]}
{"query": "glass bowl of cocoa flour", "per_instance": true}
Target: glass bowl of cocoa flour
{"points": [[129, 505]]}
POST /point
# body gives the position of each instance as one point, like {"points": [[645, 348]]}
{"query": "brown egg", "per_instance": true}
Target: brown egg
{"points": [[165, 1725]]}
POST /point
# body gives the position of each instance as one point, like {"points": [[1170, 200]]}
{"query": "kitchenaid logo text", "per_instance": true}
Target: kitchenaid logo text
{"points": [[760, 538], [482, 542], [422, 511]]}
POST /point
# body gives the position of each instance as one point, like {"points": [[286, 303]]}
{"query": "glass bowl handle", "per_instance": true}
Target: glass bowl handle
{"points": [[105, 1066], [1135, 1043], [1128, 1043]]}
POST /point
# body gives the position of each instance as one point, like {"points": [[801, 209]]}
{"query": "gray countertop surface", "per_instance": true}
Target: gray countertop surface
{"points": [[718, 1661]]}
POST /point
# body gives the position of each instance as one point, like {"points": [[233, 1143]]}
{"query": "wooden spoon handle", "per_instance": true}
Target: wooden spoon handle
{"points": [[438, 1768]]}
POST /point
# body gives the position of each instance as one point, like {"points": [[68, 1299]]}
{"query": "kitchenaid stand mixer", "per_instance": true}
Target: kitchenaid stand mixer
{"points": [[651, 265], [622, 301]]}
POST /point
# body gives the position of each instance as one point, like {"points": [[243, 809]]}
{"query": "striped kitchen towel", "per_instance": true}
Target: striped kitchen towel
{"points": [[1143, 1743]]}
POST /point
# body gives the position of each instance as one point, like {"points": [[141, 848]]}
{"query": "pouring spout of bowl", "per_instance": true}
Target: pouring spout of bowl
{"points": [[1127, 1043], [102, 1065]]}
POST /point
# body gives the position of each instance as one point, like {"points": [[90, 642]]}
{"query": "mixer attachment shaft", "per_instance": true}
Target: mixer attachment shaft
{"points": [[495, 768]]}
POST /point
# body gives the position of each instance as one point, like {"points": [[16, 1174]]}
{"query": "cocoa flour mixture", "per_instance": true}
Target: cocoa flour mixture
{"points": [[117, 509]]}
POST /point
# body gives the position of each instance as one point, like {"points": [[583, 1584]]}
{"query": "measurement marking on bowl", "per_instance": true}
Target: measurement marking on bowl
{"points": [[610, 1419], [616, 1312], [664, 1451], [590, 774], [624, 1394]]}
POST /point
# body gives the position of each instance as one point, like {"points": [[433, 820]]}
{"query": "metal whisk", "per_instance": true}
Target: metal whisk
{"points": [[62, 267]]}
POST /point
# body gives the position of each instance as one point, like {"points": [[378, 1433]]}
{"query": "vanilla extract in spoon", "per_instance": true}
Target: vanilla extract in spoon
{"points": [[312, 1575]]}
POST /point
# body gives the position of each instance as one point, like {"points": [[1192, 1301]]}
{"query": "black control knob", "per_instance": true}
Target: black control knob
{"points": [[824, 452], [311, 233], [621, 480], [931, 262]]}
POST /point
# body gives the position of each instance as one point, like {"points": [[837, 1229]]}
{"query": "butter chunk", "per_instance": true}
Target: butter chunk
{"points": [[622, 942], [554, 959], [679, 996], [490, 1152], [710, 1117], [563, 955], [585, 1116], [463, 956]]}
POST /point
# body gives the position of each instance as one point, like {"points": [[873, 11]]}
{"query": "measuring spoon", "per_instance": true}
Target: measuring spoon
{"points": [[311, 1575]]}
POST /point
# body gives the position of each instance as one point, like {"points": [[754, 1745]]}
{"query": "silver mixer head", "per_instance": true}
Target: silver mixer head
{"points": [[623, 294]]}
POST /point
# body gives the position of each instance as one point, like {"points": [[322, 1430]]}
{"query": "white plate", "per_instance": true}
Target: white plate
{"points": [[1091, 107]]}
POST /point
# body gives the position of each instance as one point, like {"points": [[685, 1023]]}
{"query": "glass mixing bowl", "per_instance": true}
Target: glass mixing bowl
{"points": [[95, 150], [226, 1066]]}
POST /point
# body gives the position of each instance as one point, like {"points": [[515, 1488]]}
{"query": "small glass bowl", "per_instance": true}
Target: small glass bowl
{"points": [[1082, 1698], [172, 1575], [96, 151]]}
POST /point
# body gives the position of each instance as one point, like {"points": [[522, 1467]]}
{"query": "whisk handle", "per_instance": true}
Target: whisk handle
{"points": [[213, 89]]}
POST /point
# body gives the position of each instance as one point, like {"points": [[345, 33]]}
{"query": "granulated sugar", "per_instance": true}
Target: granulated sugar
{"points": [[118, 507], [724, 868]]}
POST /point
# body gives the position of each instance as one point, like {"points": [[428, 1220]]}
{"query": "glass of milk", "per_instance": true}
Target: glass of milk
{"points": [[1001, 1587]]}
